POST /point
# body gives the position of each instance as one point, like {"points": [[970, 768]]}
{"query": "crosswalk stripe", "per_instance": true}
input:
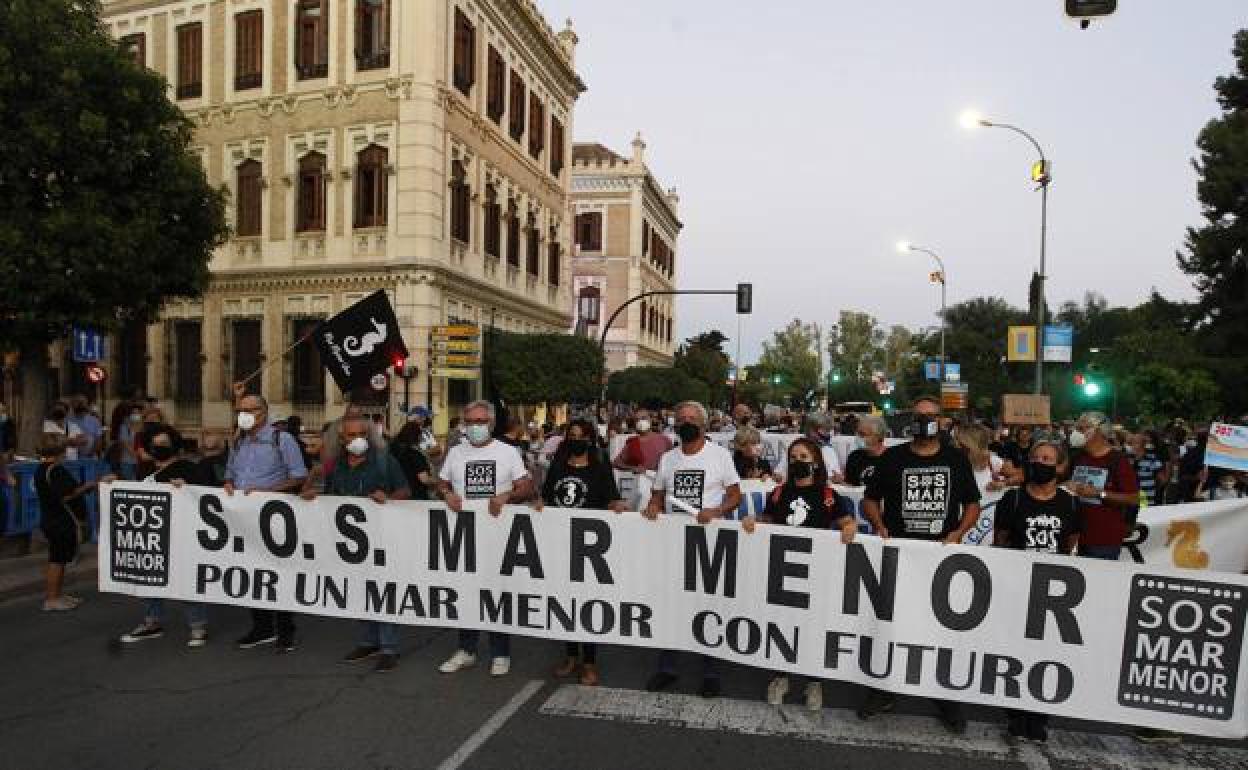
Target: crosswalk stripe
{"points": [[982, 740]]}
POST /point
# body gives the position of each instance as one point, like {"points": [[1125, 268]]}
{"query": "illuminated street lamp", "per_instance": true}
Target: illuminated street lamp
{"points": [[940, 277]]}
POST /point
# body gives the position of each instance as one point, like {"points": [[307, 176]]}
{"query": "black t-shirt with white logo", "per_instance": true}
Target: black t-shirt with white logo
{"points": [[922, 495], [1037, 525], [590, 486], [813, 507]]}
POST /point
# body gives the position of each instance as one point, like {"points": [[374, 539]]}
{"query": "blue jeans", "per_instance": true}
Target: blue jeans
{"points": [[384, 636], [500, 644], [196, 613], [668, 658], [1109, 552]]}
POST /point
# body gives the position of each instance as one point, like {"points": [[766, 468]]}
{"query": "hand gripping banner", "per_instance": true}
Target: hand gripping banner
{"points": [[1141, 644]]}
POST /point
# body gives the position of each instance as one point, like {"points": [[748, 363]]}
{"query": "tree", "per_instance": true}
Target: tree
{"points": [[104, 210], [1216, 254], [703, 358], [655, 386], [790, 355], [976, 339], [855, 346], [543, 368]]}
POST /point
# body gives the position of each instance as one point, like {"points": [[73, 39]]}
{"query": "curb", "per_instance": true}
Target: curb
{"points": [[33, 585]]}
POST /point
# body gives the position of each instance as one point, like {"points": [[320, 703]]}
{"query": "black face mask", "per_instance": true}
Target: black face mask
{"points": [[688, 432], [578, 446], [924, 426], [160, 453], [801, 469], [1041, 473]]}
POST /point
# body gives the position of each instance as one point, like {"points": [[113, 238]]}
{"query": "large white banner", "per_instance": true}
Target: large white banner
{"points": [[1119, 642]]}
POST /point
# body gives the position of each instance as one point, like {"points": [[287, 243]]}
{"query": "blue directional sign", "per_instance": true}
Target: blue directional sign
{"points": [[953, 372], [931, 369], [88, 345]]}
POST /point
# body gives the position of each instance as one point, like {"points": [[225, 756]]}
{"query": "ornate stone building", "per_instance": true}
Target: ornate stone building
{"points": [[413, 145], [626, 231]]}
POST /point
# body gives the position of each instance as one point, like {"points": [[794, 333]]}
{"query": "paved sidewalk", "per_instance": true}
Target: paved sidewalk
{"points": [[24, 575]]}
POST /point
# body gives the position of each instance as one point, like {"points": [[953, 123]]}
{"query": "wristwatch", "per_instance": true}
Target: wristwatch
{"points": [[1100, 494]]}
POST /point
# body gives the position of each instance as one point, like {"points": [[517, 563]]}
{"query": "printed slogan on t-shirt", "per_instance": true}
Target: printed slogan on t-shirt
{"points": [[687, 487], [925, 499], [480, 478]]}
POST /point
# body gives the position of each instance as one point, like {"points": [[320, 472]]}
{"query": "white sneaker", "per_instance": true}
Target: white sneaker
{"points": [[500, 666], [59, 604], [814, 696], [198, 637], [777, 689], [457, 661]]}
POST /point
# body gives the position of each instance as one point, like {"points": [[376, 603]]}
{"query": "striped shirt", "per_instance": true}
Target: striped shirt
{"points": [[1146, 470]]}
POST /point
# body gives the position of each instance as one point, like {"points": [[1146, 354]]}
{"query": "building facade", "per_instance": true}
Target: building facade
{"points": [[626, 229], [416, 146]]}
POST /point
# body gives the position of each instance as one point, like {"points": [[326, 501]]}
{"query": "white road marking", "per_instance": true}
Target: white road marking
{"points": [[491, 726], [905, 733]]}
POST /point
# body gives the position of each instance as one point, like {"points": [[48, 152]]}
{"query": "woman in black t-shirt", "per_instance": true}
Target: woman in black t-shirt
{"points": [[862, 460], [805, 500], [580, 477], [1042, 517]]}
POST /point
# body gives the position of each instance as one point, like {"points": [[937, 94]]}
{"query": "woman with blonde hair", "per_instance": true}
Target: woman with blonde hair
{"points": [[747, 454], [974, 439]]}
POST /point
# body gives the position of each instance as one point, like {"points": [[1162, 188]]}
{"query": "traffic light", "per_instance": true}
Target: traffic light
{"points": [[1079, 380], [1087, 10], [836, 376], [1041, 172], [887, 405], [1091, 389], [776, 379], [745, 298]]}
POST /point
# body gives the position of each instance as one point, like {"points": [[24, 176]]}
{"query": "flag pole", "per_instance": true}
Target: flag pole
{"points": [[277, 358]]}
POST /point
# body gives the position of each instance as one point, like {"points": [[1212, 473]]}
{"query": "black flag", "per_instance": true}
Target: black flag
{"points": [[361, 341]]}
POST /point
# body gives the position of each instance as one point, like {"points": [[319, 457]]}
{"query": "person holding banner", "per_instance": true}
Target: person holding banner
{"points": [[1042, 517], [482, 468], [922, 490], [805, 500], [696, 478], [580, 477], [1105, 483], [364, 471], [264, 459]]}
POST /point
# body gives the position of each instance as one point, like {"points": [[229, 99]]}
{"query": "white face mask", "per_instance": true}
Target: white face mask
{"points": [[478, 434], [1078, 440], [246, 420], [357, 446], [643, 426]]}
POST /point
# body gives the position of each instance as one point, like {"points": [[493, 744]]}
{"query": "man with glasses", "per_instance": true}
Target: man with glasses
{"points": [[264, 459], [482, 468]]}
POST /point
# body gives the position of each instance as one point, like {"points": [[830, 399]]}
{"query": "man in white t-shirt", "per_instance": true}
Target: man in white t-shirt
{"points": [[480, 468], [696, 478]]}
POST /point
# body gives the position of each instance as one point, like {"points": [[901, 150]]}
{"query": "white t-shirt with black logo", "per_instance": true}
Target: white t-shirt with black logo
{"points": [[698, 480], [477, 472]]}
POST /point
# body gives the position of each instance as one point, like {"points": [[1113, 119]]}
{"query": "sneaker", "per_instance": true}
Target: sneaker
{"points": [[285, 646], [59, 604], [777, 688], [363, 652], [589, 675], [814, 696], [459, 660], [198, 638], [710, 687], [500, 666], [876, 703], [256, 638], [386, 662], [660, 681], [1149, 735], [142, 632]]}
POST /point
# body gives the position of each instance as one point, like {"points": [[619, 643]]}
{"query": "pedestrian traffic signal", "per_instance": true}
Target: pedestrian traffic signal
{"points": [[745, 298], [1079, 380], [776, 379], [1091, 389]]}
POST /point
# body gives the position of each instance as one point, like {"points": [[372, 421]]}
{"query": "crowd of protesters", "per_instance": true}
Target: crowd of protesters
{"points": [[1073, 488]]}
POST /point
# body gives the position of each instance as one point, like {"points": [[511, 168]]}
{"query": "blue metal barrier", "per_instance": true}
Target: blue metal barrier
{"points": [[20, 505]]}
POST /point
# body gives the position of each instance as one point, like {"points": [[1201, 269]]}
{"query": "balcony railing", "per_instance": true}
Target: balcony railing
{"points": [[372, 60], [248, 81], [312, 71], [190, 90]]}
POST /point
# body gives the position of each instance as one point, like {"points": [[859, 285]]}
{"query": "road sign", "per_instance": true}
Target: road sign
{"points": [[953, 372], [457, 374], [88, 345], [954, 395], [931, 369], [457, 361], [1059, 343], [457, 345], [1021, 343], [457, 330]]}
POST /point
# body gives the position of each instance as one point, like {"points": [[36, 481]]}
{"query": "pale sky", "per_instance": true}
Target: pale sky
{"points": [[806, 137]]}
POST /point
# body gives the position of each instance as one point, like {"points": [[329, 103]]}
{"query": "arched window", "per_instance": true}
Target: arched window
{"points": [[311, 201], [249, 201], [461, 199], [371, 182]]}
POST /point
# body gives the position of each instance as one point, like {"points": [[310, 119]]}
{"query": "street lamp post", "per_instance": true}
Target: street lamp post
{"points": [[1040, 174], [941, 275]]}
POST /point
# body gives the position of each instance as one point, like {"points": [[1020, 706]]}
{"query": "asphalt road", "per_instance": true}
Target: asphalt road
{"points": [[72, 700]]}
